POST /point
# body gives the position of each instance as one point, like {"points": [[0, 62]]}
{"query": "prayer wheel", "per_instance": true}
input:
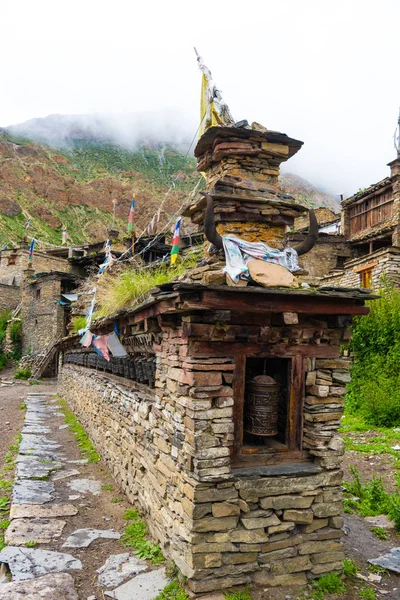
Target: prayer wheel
{"points": [[262, 406]]}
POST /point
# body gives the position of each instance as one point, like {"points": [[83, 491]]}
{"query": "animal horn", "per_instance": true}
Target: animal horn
{"points": [[306, 245], [209, 223]]}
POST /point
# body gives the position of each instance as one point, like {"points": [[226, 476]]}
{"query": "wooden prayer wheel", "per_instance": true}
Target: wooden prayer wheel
{"points": [[262, 406]]}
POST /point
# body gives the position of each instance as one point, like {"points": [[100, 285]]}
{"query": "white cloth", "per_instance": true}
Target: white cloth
{"points": [[238, 252], [115, 346]]}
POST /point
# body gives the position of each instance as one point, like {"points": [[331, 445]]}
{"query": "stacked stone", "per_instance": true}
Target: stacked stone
{"points": [[170, 450], [241, 167]]}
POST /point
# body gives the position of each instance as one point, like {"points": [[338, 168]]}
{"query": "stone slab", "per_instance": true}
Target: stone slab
{"points": [[28, 491], [65, 474], [145, 586], [389, 561], [27, 563], [118, 567], [59, 586], [84, 486], [31, 511], [82, 538], [380, 521], [29, 467], [39, 530]]}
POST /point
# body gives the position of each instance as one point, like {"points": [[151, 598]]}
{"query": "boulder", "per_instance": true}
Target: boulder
{"points": [[270, 275]]}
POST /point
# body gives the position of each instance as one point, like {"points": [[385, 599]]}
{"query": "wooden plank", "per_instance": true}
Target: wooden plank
{"points": [[238, 398], [293, 462], [220, 349], [295, 408]]}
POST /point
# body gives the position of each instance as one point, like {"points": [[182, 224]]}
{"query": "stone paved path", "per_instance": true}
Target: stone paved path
{"points": [[66, 520]]}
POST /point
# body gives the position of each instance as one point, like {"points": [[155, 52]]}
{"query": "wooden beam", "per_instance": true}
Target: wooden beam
{"points": [[221, 349], [239, 382]]}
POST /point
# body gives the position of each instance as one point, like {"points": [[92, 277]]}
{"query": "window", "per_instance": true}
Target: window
{"points": [[38, 294], [366, 278], [12, 259]]}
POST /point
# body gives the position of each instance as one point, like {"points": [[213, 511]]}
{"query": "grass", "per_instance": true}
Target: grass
{"points": [[377, 569], [107, 487], [135, 537], [380, 532], [238, 595], [327, 584], [30, 544], [173, 591], [84, 443], [134, 284], [349, 567], [78, 323], [117, 499], [370, 498], [367, 594]]}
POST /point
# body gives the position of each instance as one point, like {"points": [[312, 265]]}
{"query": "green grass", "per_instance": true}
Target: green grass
{"points": [[380, 532], [78, 323], [238, 595], [327, 584], [4, 524], [107, 487], [173, 591], [6, 485], [133, 285], [367, 594], [117, 499], [23, 373], [377, 569], [349, 567], [134, 536], [30, 544], [84, 443]]}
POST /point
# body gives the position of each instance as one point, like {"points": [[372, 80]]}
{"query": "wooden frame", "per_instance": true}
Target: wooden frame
{"points": [[295, 407]]}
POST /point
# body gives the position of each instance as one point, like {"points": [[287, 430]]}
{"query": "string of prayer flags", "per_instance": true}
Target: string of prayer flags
{"points": [[64, 235], [31, 249], [28, 224], [108, 260], [175, 241], [115, 346], [131, 215], [87, 339], [100, 343]]}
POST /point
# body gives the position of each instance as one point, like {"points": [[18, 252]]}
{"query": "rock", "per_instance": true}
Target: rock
{"points": [[65, 474], [20, 511], [298, 516], [143, 587], [27, 563], [390, 560], [85, 486], [82, 538], [59, 586], [39, 530], [260, 522], [26, 491], [380, 521], [119, 567], [225, 509], [270, 275]]}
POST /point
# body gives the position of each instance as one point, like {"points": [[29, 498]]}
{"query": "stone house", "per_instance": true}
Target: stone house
{"points": [[371, 231], [45, 312]]}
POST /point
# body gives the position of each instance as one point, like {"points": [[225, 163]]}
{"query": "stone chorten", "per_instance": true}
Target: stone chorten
{"points": [[241, 167]]}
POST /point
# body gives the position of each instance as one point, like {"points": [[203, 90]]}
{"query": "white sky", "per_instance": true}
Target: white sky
{"points": [[326, 72]]}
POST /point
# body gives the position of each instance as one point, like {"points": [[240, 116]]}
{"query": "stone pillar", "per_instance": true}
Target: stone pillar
{"points": [[241, 167]]}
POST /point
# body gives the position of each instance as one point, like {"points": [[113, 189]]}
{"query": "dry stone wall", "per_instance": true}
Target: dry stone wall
{"points": [[387, 265], [170, 449], [9, 297]]}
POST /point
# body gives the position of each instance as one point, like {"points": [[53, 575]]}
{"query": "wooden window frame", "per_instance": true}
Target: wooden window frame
{"points": [[295, 412]]}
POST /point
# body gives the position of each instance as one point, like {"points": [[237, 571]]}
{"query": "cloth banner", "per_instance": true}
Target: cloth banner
{"points": [[131, 215], [100, 342], [31, 249], [238, 252], [175, 241], [115, 346], [87, 339]]}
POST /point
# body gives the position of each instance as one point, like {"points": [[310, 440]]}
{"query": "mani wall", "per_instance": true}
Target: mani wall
{"points": [[224, 517]]}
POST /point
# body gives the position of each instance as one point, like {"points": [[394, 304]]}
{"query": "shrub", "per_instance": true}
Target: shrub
{"points": [[374, 391], [23, 373]]}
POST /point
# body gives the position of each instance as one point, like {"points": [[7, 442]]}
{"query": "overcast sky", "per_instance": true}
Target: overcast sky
{"points": [[326, 72]]}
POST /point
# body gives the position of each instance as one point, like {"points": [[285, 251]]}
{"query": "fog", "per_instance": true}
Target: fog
{"points": [[322, 72]]}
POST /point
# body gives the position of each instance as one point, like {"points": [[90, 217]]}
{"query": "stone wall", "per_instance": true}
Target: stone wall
{"points": [[384, 263], [14, 262], [9, 296], [324, 257], [42, 316], [171, 450]]}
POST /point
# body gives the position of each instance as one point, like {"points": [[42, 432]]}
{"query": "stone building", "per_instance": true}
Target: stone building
{"points": [[221, 424], [44, 311], [371, 230], [14, 261], [9, 296]]}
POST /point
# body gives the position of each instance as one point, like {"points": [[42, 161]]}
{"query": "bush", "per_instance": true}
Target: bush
{"points": [[78, 323], [374, 391], [23, 373]]}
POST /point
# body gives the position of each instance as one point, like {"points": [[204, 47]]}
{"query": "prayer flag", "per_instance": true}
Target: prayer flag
{"points": [[28, 223], [131, 214], [100, 343], [64, 235], [31, 249], [175, 241]]}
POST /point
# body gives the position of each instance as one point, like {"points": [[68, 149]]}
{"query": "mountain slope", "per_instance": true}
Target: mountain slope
{"points": [[73, 179]]}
